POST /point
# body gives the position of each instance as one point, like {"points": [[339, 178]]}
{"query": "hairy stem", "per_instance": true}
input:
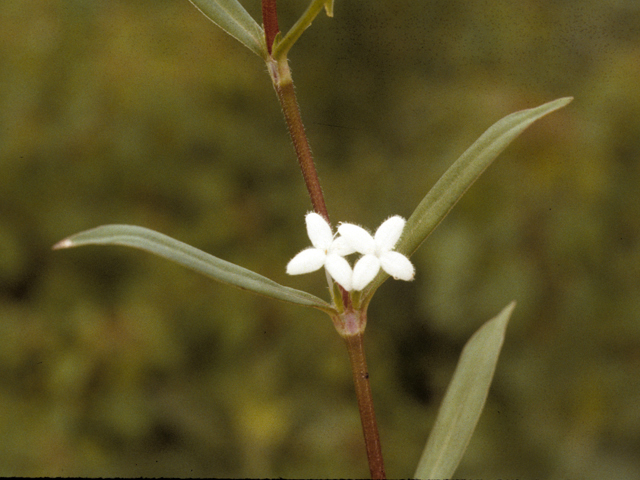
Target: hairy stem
{"points": [[270, 22], [355, 346], [350, 324], [283, 84]]}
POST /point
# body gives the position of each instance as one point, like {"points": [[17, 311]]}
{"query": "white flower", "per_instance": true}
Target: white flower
{"points": [[377, 252], [327, 251]]}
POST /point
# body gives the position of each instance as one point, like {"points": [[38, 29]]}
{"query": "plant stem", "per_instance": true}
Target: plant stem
{"points": [[355, 346], [270, 22], [350, 324], [283, 84], [298, 28]]}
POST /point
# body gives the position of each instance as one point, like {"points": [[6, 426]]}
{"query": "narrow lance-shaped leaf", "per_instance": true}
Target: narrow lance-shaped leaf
{"points": [[231, 16], [460, 176], [191, 257], [464, 400]]}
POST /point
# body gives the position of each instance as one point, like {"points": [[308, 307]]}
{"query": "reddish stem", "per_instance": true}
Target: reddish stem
{"points": [[281, 77], [351, 324], [270, 22], [355, 346]]}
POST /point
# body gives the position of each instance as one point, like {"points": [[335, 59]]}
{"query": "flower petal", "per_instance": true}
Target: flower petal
{"points": [[340, 270], [364, 271], [319, 231], [389, 233], [308, 260], [397, 265], [357, 237], [341, 247]]}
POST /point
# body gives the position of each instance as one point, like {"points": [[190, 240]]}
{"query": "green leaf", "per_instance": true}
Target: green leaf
{"points": [[231, 16], [328, 7], [464, 400], [460, 176], [191, 257]]}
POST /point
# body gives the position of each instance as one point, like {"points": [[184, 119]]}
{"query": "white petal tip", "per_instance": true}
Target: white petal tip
{"points": [[357, 238], [293, 271], [365, 271], [319, 231], [398, 266], [405, 278], [306, 261], [389, 232], [340, 270]]}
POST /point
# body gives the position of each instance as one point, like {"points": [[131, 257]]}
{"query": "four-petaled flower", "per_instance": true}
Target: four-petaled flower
{"points": [[327, 251], [377, 252]]}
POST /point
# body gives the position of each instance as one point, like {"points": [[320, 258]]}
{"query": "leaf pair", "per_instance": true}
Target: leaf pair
{"points": [[426, 217], [466, 395], [467, 392], [231, 16]]}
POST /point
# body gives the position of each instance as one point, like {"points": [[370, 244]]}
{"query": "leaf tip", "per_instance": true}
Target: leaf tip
{"points": [[328, 7], [567, 100], [66, 243], [506, 312]]}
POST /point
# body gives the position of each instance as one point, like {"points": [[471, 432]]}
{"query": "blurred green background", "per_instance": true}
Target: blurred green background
{"points": [[117, 363]]}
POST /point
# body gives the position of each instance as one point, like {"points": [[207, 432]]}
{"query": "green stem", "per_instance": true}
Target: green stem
{"points": [[355, 346], [282, 48]]}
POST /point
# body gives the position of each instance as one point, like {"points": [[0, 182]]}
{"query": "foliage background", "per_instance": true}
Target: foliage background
{"points": [[116, 363]]}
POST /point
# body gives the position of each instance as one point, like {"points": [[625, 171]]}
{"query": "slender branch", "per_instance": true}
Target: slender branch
{"points": [[298, 28], [283, 84], [350, 324], [355, 346], [270, 22]]}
